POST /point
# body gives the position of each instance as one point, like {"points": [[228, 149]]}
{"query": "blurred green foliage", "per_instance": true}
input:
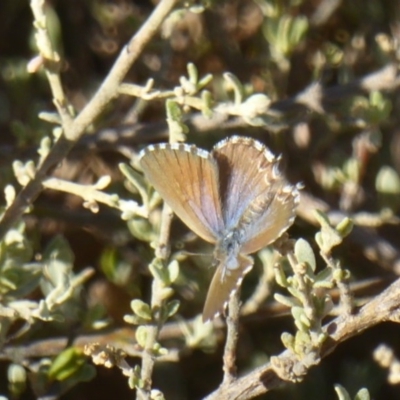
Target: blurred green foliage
{"points": [[293, 73]]}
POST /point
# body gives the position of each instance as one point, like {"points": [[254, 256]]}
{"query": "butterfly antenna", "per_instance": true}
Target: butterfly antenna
{"points": [[189, 253]]}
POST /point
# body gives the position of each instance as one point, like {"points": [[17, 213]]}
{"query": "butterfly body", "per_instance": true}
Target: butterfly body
{"points": [[234, 197]]}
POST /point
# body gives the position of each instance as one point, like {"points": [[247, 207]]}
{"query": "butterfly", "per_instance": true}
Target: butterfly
{"points": [[234, 197]]}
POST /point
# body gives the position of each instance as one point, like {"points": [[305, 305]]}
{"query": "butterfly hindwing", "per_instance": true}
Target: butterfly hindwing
{"points": [[223, 284], [274, 220], [240, 162]]}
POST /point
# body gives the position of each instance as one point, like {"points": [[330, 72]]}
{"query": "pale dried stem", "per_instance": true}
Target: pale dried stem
{"points": [[52, 61], [303, 288], [89, 193], [261, 292], [153, 330], [346, 297], [232, 334]]}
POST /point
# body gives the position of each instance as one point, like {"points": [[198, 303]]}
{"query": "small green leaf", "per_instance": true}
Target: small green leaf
{"points": [[141, 336], [155, 394], [286, 300], [362, 394], [142, 229], [165, 293], [172, 307], [300, 326], [328, 237], [174, 112], [115, 267], [323, 305], [351, 169], [17, 379], [141, 309], [379, 108], [237, 87], [255, 106], [45, 147], [387, 185], [287, 340], [136, 180], [85, 373], [344, 227], [324, 275], [204, 81], [193, 73], [51, 117], [206, 108], [66, 364], [299, 314], [302, 342], [177, 129], [293, 290], [284, 34], [342, 392], [159, 272], [158, 350], [60, 250], [341, 275], [173, 271], [134, 320], [387, 181], [134, 380], [304, 253], [280, 276], [187, 86]]}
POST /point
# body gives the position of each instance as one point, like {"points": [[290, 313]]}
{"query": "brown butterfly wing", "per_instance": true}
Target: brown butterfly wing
{"points": [[187, 179], [277, 215], [223, 284], [257, 198]]}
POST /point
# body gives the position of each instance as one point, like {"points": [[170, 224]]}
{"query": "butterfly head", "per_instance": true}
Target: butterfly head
{"points": [[227, 249]]}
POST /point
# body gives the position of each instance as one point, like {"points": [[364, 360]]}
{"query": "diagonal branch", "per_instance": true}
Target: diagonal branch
{"points": [[74, 130], [383, 307]]}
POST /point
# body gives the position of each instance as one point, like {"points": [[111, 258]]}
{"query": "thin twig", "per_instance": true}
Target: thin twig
{"points": [[262, 291], [346, 297], [303, 288], [119, 338], [288, 109], [232, 334], [75, 129], [153, 330], [92, 195], [51, 60]]}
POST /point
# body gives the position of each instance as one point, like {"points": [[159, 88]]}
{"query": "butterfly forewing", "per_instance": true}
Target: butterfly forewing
{"points": [[241, 163], [187, 179], [259, 201]]}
